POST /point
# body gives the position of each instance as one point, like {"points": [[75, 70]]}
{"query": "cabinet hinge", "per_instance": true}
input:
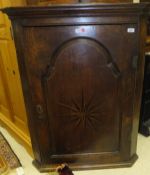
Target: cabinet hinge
{"points": [[135, 62], [12, 34]]}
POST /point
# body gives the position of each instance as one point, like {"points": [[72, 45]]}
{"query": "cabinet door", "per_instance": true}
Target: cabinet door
{"points": [[82, 90], [12, 87], [12, 109], [4, 105]]}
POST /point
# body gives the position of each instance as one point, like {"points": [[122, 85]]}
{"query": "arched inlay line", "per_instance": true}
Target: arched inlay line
{"points": [[85, 40]]}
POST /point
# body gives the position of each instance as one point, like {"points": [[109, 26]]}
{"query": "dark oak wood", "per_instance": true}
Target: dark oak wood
{"points": [[46, 2], [82, 70]]}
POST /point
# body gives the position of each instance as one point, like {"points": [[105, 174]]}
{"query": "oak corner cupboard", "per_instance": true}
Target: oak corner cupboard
{"points": [[81, 68]]}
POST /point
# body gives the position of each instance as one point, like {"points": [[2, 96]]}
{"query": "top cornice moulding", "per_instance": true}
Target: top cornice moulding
{"points": [[78, 10]]}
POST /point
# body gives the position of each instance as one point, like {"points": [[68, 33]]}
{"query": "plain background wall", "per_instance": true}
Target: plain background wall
{"points": [[136, 0]]}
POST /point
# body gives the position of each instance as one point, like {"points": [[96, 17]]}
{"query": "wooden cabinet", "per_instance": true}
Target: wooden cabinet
{"points": [[82, 70], [46, 2], [12, 108]]}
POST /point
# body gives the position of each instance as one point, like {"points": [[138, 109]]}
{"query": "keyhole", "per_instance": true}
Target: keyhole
{"points": [[39, 109]]}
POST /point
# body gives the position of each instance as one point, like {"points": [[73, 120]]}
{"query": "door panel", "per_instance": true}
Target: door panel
{"points": [[12, 85], [12, 109], [16, 88], [78, 76], [1, 19], [5, 70], [6, 3], [4, 105], [81, 97]]}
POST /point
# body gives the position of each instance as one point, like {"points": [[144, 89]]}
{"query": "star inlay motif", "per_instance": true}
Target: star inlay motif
{"points": [[84, 113]]}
